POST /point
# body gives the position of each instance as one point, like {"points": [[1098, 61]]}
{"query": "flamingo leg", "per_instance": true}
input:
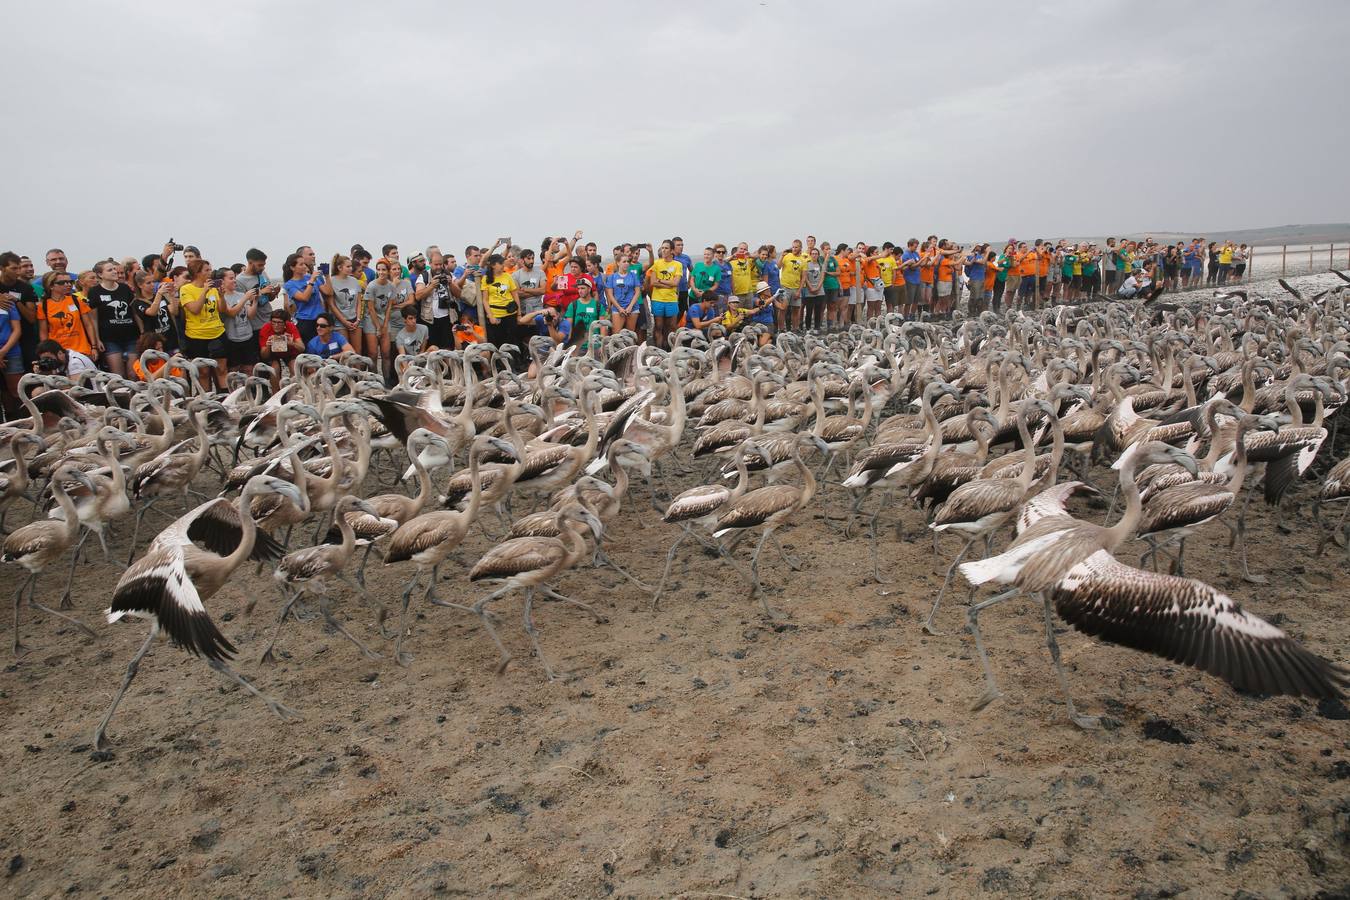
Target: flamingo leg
{"points": [[338, 627], [136, 529], [528, 620], [754, 576], [605, 560], [285, 712], [793, 562], [951, 570], [289, 599], [1084, 722], [480, 609], [381, 611], [991, 691], [70, 576], [400, 657], [100, 733], [665, 573], [19, 647]]}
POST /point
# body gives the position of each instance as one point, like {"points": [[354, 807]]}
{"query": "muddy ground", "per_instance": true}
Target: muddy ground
{"points": [[698, 751]]}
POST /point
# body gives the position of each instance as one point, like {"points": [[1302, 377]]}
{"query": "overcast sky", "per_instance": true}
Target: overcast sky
{"points": [[279, 123]]}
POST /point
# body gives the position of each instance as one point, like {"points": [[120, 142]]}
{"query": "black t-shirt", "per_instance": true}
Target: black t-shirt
{"points": [[114, 308], [28, 338]]}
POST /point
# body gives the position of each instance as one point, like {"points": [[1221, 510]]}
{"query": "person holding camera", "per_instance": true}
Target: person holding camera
{"points": [[203, 331], [237, 311], [54, 359], [303, 290], [342, 296], [279, 343]]}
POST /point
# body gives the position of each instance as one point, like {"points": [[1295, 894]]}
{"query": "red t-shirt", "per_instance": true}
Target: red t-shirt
{"points": [[562, 289], [291, 332]]}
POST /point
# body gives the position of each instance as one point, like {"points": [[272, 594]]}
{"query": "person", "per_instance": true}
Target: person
{"points": [[944, 287], [1212, 255], [765, 307], [1226, 262], [892, 284], [678, 254], [327, 341], [149, 340], [203, 331], [697, 315], [664, 277], [531, 286], [848, 286], [11, 350], [974, 266], [413, 337], [831, 285], [424, 288], [379, 299], [65, 318], [1240, 262], [502, 302], [113, 302], [342, 297], [703, 284], [17, 293], [623, 290], [56, 359], [742, 272], [1172, 262], [158, 306], [588, 308], [303, 290], [813, 291], [720, 256], [237, 311], [1139, 285], [279, 343], [791, 265]]}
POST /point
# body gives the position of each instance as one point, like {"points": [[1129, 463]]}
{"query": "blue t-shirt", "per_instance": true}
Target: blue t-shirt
{"points": [[768, 270], [305, 309], [724, 286], [764, 316], [684, 260], [911, 275], [624, 285], [695, 311], [6, 329], [319, 347], [975, 268]]}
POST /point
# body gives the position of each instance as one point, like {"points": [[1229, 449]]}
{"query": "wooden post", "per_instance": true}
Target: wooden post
{"points": [[1284, 255], [1331, 257], [1310, 258]]}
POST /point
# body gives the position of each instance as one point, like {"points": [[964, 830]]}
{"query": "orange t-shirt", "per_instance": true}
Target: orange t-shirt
{"points": [[845, 273], [944, 272], [871, 269], [1026, 264], [926, 267], [990, 276], [1045, 262], [65, 322]]}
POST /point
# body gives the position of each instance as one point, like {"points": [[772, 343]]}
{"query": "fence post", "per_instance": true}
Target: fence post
{"points": [[1284, 255], [1310, 257], [1331, 257]]}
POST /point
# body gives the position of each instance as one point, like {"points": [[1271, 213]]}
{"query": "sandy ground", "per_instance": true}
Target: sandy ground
{"points": [[698, 751]]}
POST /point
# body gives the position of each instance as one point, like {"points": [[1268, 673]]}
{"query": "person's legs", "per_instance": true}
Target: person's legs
{"points": [[997, 302], [794, 310]]}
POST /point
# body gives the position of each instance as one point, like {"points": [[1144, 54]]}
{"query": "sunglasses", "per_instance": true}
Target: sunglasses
{"points": [[322, 325], [63, 281]]}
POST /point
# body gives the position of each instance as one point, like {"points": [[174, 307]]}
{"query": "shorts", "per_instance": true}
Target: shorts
{"points": [[855, 295], [1239, 268], [1057, 276], [1027, 287], [125, 348], [1075, 281], [1110, 277], [872, 294], [976, 288], [14, 362], [944, 288], [665, 308], [912, 293], [893, 294], [241, 353], [213, 348], [368, 324], [307, 328], [793, 296], [1045, 284]]}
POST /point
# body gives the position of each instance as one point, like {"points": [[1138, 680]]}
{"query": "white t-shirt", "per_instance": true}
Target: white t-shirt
{"points": [[77, 362]]}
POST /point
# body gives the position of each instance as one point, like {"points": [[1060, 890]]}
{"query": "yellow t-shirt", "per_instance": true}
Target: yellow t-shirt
{"points": [[887, 266], [790, 270], [669, 269], [1226, 256], [742, 275], [205, 324], [497, 296]]}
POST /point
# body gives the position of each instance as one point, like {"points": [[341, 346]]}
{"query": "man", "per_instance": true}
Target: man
{"points": [[1139, 285], [763, 310], [390, 252], [683, 259], [325, 342], [56, 260], [892, 289], [361, 265], [254, 276], [974, 267], [530, 285], [439, 311], [15, 290], [1109, 265], [742, 273], [909, 272], [703, 284], [423, 286], [191, 253], [53, 359]]}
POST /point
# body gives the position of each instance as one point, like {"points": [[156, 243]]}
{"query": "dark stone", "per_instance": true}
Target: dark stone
{"points": [[99, 756], [1331, 708], [1340, 770], [1163, 730], [166, 862], [996, 879], [224, 870], [369, 677], [722, 838], [68, 806], [15, 863]]}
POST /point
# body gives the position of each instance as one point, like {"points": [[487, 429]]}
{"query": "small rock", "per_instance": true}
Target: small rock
{"points": [[722, 838], [165, 862], [224, 870], [369, 677], [100, 756], [15, 863], [996, 879], [1330, 708]]}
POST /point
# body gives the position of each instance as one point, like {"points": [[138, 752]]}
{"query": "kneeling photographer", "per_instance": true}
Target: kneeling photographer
{"points": [[53, 359]]}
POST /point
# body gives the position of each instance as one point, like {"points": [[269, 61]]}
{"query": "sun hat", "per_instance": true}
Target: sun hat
{"points": [[761, 287]]}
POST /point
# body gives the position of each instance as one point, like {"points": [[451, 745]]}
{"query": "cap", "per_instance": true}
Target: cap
{"points": [[762, 287]]}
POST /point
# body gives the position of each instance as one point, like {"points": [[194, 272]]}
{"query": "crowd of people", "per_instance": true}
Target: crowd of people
{"points": [[382, 307]]}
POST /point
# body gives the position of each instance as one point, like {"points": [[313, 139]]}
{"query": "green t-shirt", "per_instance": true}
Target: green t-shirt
{"points": [[582, 316], [1090, 266], [1003, 264], [706, 276], [832, 273], [1066, 263]]}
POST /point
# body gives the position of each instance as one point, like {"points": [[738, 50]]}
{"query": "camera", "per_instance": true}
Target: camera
{"points": [[48, 366], [177, 248], [442, 278]]}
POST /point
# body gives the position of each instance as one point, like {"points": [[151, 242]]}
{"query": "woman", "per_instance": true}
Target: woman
{"points": [[1003, 267], [11, 353], [304, 292], [65, 318], [502, 303], [279, 344], [1212, 256], [83, 282], [327, 341], [241, 348], [664, 279], [623, 293], [842, 312], [581, 313], [1226, 262], [873, 289], [203, 331], [1068, 265], [1240, 262], [991, 273], [342, 296], [113, 302], [378, 303], [813, 291], [1172, 266], [158, 306]]}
